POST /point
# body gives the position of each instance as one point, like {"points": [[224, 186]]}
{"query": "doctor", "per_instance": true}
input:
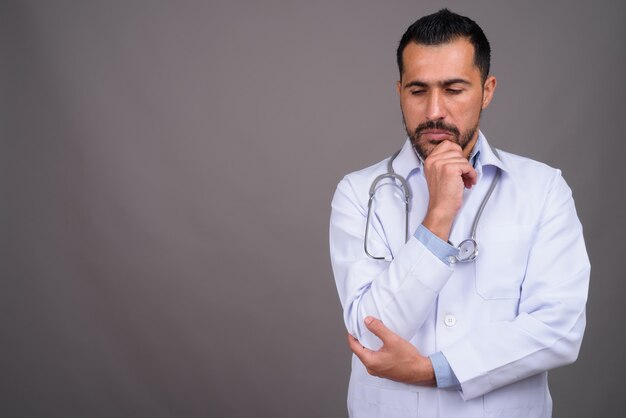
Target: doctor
{"points": [[434, 336]]}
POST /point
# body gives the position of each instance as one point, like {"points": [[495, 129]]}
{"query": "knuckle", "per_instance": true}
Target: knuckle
{"points": [[452, 145]]}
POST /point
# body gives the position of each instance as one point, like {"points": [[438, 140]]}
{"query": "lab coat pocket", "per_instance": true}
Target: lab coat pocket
{"points": [[376, 402], [502, 259]]}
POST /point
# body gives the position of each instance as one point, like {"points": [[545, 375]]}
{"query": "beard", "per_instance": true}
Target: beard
{"points": [[424, 148]]}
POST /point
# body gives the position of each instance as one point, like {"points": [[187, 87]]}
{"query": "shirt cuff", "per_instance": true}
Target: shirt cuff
{"points": [[441, 249], [446, 379]]}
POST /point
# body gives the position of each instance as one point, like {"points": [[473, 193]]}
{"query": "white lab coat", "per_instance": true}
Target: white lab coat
{"points": [[501, 322]]}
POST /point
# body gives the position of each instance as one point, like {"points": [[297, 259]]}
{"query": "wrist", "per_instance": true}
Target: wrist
{"points": [[439, 223], [425, 373]]}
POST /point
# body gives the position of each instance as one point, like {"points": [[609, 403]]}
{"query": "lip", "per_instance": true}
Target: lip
{"points": [[436, 134]]}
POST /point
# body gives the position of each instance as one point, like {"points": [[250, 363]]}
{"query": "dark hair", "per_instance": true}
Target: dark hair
{"points": [[445, 26]]}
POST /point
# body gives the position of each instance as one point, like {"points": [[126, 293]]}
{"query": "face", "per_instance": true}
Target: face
{"points": [[442, 95]]}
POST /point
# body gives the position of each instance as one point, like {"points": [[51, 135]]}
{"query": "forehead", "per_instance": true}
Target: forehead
{"points": [[446, 61]]}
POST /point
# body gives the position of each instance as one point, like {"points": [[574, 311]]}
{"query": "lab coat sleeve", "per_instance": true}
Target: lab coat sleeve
{"points": [[547, 331], [401, 292]]}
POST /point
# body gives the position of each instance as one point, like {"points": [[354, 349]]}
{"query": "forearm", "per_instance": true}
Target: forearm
{"points": [[401, 295], [401, 292], [505, 353]]}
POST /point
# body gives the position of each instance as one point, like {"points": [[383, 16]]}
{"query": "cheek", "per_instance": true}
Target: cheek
{"points": [[412, 112], [468, 114]]}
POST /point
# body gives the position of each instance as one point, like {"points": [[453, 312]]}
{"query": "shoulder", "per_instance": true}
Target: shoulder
{"points": [[358, 182], [368, 173], [519, 165], [354, 187], [526, 170], [537, 180]]}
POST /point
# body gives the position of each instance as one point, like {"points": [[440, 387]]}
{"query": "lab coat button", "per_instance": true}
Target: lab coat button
{"points": [[449, 320]]}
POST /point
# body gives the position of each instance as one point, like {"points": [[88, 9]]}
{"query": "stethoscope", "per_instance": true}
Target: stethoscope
{"points": [[468, 248]]}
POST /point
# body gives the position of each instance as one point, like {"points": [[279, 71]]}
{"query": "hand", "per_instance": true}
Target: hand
{"points": [[397, 360], [447, 173]]}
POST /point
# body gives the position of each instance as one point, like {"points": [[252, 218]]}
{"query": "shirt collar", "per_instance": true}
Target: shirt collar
{"points": [[485, 154], [482, 155]]}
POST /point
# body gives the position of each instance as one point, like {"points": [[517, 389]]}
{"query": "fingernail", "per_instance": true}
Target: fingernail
{"points": [[368, 320]]}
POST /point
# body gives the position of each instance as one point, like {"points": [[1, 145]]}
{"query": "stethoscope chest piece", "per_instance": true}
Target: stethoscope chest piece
{"points": [[468, 251]]}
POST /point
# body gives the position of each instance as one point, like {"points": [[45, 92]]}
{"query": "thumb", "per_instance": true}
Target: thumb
{"points": [[379, 329]]}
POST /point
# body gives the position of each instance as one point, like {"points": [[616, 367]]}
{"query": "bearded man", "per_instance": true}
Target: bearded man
{"points": [[461, 269]]}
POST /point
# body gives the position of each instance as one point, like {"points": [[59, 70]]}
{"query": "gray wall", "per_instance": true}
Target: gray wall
{"points": [[167, 169]]}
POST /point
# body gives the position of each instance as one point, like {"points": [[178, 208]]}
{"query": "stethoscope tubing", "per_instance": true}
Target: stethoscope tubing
{"points": [[468, 248]]}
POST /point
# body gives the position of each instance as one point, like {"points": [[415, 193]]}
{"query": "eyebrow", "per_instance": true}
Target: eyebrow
{"points": [[444, 83]]}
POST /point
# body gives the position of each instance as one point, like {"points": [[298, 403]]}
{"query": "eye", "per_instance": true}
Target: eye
{"points": [[417, 92], [454, 91]]}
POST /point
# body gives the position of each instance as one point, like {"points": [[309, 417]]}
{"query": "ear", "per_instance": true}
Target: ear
{"points": [[399, 86], [488, 88]]}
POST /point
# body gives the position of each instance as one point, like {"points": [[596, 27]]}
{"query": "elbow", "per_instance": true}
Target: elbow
{"points": [[566, 350], [570, 354], [354, 317]]}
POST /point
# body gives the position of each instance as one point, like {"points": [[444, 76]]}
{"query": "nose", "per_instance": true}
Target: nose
{"points": [[435, 107]]}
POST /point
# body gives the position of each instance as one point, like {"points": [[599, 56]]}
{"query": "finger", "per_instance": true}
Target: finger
{"points": [[361, 352], [454, 167], [460, 165], [443, 160], [379, 329], [355, 345], [448, 156], [446, 145], [470, 178]]}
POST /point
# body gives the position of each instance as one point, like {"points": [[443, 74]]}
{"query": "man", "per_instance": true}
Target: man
{"points": [[436, 333]]}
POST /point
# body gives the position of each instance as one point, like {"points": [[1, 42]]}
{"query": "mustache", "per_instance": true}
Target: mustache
{"points": [[436, 124]]}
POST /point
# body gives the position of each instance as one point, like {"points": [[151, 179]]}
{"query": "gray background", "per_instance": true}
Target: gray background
{"points": [[167, 170]]}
